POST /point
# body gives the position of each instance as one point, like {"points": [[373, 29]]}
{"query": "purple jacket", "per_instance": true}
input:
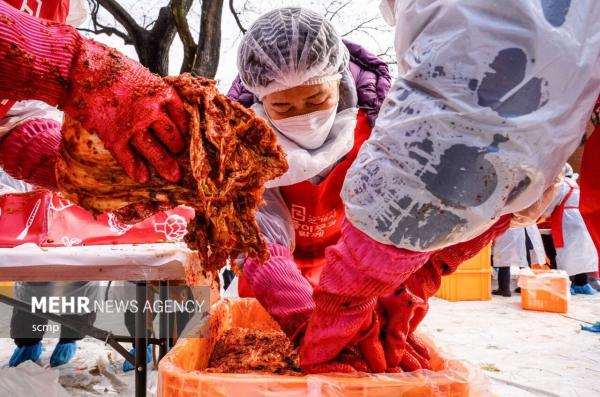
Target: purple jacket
{"points": [[370, 73]]}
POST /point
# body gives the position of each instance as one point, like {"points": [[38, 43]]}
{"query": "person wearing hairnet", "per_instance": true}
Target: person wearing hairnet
{"points": [[321, 96], [455, 151], [575, 250], [29, 139]]}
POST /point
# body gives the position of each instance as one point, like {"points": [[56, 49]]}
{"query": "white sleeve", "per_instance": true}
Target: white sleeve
{"points": [[275, 221], [27, 110], [8, 184], [492, 98]]}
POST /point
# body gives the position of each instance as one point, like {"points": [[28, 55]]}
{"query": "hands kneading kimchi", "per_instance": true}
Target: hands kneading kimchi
{"points": [[231, 155]]}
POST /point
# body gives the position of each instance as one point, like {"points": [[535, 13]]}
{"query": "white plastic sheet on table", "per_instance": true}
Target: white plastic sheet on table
{"points": [[101, 262]]}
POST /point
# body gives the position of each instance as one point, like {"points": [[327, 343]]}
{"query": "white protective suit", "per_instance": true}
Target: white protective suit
{"points": [[482, 87], [537, 253], [510, 249], [579, 253]]}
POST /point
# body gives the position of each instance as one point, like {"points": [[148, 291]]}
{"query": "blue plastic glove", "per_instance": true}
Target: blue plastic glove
{"points": [[591, 328], [127, 366], [63, 353], [24, 353]]}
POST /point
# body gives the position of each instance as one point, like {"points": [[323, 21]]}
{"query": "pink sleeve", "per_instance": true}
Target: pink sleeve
{"points": [[36, 56], [28, 152], [281, 289]]}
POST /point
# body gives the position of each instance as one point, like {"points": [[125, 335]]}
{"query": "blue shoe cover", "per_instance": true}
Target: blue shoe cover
{"points": [[25, 353], [63, 353], [591, 328], [584, 289]]}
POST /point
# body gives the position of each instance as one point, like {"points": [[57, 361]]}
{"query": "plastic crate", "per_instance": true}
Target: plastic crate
{"points": [[481, 261], [7, 288], [467, 285], [180, 372], [545, 290]]}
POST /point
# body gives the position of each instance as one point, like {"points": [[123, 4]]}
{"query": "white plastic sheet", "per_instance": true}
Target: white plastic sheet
{"points": [[29, 379], [100, 255], [492, 98]]}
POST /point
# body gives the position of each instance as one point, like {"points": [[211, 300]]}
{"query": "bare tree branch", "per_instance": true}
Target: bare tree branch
{"points": [[179, 9], [340, 8], [360, 27], [102, 29], [236, 17], [108, 31], [388, 55], [122, 17]]}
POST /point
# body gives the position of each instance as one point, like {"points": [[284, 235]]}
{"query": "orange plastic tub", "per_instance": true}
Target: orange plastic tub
{"points": [[180, 372], [545, 290]]}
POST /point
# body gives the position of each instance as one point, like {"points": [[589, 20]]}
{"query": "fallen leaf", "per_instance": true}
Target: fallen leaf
{"points": [[489, 367]]}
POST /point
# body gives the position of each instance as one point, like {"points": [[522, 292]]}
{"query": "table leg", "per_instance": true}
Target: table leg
{"points": [[141, 340], [163, 327]]}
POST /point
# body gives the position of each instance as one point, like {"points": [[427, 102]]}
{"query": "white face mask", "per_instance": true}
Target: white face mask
{"points": [[307, 130], [387, 11]]}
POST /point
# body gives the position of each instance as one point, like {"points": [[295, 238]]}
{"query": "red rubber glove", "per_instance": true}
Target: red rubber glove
{"points": [[28, 152], [400, 313], [358, 270], [125, 104]]}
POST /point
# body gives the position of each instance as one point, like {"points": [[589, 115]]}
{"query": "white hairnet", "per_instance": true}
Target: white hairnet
{"points": [[288, 47]]}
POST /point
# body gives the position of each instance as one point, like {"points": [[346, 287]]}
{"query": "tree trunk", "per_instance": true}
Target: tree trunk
{"points": [[209, 43]]}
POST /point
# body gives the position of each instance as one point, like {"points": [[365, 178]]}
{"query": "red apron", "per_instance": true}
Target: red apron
{"points": [[52, 10], [556, 219], [589, 201], [318, 212]]}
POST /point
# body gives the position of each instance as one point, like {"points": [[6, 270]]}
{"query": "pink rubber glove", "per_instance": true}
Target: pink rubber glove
{"points": [[281, 290], [28, 152], [358, 270], [124, 103]]}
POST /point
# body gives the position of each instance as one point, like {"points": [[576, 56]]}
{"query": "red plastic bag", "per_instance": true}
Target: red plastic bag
{"points": [[46, 219], [23, 218]]}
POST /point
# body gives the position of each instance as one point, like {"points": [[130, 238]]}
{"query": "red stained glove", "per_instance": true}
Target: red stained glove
{"points": [[400, 313], [132, 110], [28, 152], [358, 270]]}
